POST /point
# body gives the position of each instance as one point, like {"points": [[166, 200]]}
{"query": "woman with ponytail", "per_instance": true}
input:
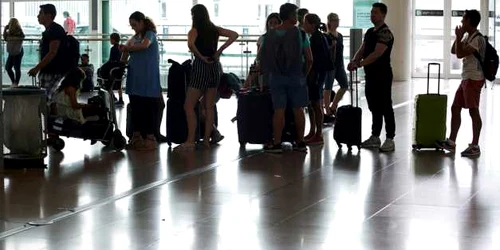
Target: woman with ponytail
{"points": [[316, 78], [143, 81]]}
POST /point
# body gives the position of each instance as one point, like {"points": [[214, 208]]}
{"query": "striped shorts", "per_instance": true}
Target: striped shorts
{"points": [[205, 76]]}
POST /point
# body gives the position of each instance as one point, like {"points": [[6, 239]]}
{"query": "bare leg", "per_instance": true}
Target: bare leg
{"points": [[192, 97], [209, 99], [456, 121], [278, 124], [477, 124]]}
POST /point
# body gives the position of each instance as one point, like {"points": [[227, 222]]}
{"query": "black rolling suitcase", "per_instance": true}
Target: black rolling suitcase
{"points": [[254, 118], [177, 130], [178, 77], [347, 128]]}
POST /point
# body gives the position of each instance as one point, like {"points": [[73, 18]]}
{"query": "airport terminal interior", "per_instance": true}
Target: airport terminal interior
{"points": [[239, 197]]}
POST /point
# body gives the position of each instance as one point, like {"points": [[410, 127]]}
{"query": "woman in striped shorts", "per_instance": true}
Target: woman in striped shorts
{"points": [[206, 71]]}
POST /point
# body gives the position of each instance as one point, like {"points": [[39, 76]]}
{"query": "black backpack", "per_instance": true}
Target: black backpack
{"points": [[71, 52], [490, 63]]}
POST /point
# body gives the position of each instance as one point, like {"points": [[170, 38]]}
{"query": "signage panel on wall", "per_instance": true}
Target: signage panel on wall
{"points": [[362, 10], [429, 13]]}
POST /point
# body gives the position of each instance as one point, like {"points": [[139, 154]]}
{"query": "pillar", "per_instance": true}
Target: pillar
{"points": [[399, 18], [106, 28]]}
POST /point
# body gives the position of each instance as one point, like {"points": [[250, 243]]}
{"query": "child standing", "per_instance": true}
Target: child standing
{"points": [[115, 56]]}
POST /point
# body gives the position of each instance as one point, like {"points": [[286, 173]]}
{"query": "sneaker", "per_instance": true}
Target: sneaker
{"points": [[274, 148], [372, 142], [472, 151], [388, 146], [447, 144], [300, 147]]}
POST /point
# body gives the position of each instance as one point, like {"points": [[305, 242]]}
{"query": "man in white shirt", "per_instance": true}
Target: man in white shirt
{"points": [[468, 41]]}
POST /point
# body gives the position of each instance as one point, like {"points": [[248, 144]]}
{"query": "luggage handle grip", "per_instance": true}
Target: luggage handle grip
{"points": [[429, 76], [351, 73]]}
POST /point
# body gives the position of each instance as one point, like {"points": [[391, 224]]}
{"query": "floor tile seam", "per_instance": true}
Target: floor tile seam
{"points": [[310, 174], [293, 215], [77, 210], [462, 206], [413, 188], [316, 203]]}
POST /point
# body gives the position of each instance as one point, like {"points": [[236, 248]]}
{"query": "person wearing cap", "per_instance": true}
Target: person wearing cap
{"points": [[51, 67]]}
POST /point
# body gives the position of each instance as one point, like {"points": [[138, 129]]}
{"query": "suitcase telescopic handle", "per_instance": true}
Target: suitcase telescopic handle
{"points": [[354, 81], [429, 76]]}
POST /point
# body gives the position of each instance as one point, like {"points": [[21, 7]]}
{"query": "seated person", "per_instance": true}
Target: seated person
{"points": [[88, 82], [64, 102]]}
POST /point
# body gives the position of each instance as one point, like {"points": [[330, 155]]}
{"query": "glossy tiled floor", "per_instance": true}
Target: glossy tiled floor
{"points": [[227, 198]]}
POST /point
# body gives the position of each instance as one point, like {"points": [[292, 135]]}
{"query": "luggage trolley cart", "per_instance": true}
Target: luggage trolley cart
{"points": [[25, 123]]}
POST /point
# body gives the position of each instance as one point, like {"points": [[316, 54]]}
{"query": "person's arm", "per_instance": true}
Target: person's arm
{"points": [[453, 47], [380, 49], [66, 25], [309, 59], [385, 38], [71, 92], [308, 56], [5, 34], [466, 49], [359, 54], [146, 42], [231, 35], [125, 53], [53, 48]]}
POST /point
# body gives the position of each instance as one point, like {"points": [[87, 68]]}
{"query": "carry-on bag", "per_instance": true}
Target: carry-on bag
{"points": [[347, 128], [255, 118], [430, 115]]}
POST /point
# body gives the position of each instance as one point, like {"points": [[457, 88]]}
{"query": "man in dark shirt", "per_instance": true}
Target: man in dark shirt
{"points": [[51, 68], [375, 56]]}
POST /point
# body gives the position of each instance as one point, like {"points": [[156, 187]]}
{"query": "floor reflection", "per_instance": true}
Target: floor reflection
{"points": [[232, 198]]}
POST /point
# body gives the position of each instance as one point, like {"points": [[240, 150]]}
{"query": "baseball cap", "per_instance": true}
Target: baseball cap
{"points": [[49, 9]]}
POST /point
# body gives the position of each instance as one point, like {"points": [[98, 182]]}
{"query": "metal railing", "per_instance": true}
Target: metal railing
{"points": [[236, 59]]}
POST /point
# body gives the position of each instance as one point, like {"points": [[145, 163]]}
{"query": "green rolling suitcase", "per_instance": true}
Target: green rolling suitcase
{"points": [[430, 116]]}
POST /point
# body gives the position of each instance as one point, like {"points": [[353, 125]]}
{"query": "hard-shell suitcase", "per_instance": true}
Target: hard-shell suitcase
{"points": [[347, 128], [430, 116]]}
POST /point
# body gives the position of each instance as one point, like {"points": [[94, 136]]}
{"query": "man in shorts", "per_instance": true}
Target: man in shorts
{"points": [[284, 51], [468, 41]]}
